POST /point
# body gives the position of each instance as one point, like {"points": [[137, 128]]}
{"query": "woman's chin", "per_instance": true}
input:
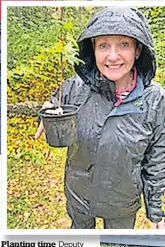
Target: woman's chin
{"points": [[112, 78]]}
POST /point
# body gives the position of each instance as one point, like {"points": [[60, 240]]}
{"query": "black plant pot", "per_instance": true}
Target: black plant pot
{"points": [[60, 130]]}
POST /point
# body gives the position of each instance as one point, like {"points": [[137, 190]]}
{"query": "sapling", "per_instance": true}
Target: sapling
{"points": [[66, 52]]}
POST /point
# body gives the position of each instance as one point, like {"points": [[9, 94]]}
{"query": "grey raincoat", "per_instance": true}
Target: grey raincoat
{"points": [[121, 149]]}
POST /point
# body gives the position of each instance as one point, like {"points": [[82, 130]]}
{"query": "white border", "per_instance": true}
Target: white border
{"points": [[4, 5], [83, 3], [4, 115]]}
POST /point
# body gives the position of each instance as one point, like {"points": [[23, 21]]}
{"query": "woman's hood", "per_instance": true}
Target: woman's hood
{"points": [[117, 21]]}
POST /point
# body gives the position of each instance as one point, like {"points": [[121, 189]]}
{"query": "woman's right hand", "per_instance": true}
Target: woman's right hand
{"points": [[40, 129], [159, 225]]}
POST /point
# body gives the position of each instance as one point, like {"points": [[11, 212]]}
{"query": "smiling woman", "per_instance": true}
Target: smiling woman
{"points": [[115, 57], [119, 152]]}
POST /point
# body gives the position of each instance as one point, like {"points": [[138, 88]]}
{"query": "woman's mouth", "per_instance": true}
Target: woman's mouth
{"points": [[114, 66]]}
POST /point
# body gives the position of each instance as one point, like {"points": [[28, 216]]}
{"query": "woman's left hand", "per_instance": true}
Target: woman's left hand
{"points": [[159, 225]]}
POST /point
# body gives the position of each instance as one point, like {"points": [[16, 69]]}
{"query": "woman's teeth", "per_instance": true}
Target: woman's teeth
{"points": [[113, 66]]}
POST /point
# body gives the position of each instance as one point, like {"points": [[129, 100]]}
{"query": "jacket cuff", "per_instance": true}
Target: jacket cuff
{"points": [[155, 218], [154, 213], [153, 204]]}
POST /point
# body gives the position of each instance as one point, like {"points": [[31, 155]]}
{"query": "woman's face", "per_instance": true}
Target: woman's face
{"points": [[115, 56]]}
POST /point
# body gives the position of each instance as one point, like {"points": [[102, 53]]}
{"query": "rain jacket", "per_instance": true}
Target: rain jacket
{"points": [[120, 151]]}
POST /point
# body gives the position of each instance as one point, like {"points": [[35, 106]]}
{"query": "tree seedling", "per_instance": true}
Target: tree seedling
{"points": [[66, 51]]}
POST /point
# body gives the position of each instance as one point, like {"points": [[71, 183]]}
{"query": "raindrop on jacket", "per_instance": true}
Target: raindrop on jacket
{"points": [[120, 151]]}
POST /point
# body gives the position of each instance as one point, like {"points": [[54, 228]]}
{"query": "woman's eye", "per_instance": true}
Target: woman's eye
{"points": [[124, 44], [103, 46]]}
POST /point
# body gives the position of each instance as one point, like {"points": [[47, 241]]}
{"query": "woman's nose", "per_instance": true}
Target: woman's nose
{"points": [[113, 54]]}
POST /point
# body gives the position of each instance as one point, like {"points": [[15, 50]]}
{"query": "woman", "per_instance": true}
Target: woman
{"points": [[121, 124]]}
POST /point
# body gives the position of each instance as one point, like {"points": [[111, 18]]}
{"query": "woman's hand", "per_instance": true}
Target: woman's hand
{"points": [[40, 129], [159, 225]]}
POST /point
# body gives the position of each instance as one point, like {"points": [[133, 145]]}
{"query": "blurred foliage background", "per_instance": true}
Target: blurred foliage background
{"points": [[36, 171]]}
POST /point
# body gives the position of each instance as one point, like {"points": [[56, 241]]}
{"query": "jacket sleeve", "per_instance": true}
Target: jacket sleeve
{"points": [[153, 173], [74, 92], [66, 91]]}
